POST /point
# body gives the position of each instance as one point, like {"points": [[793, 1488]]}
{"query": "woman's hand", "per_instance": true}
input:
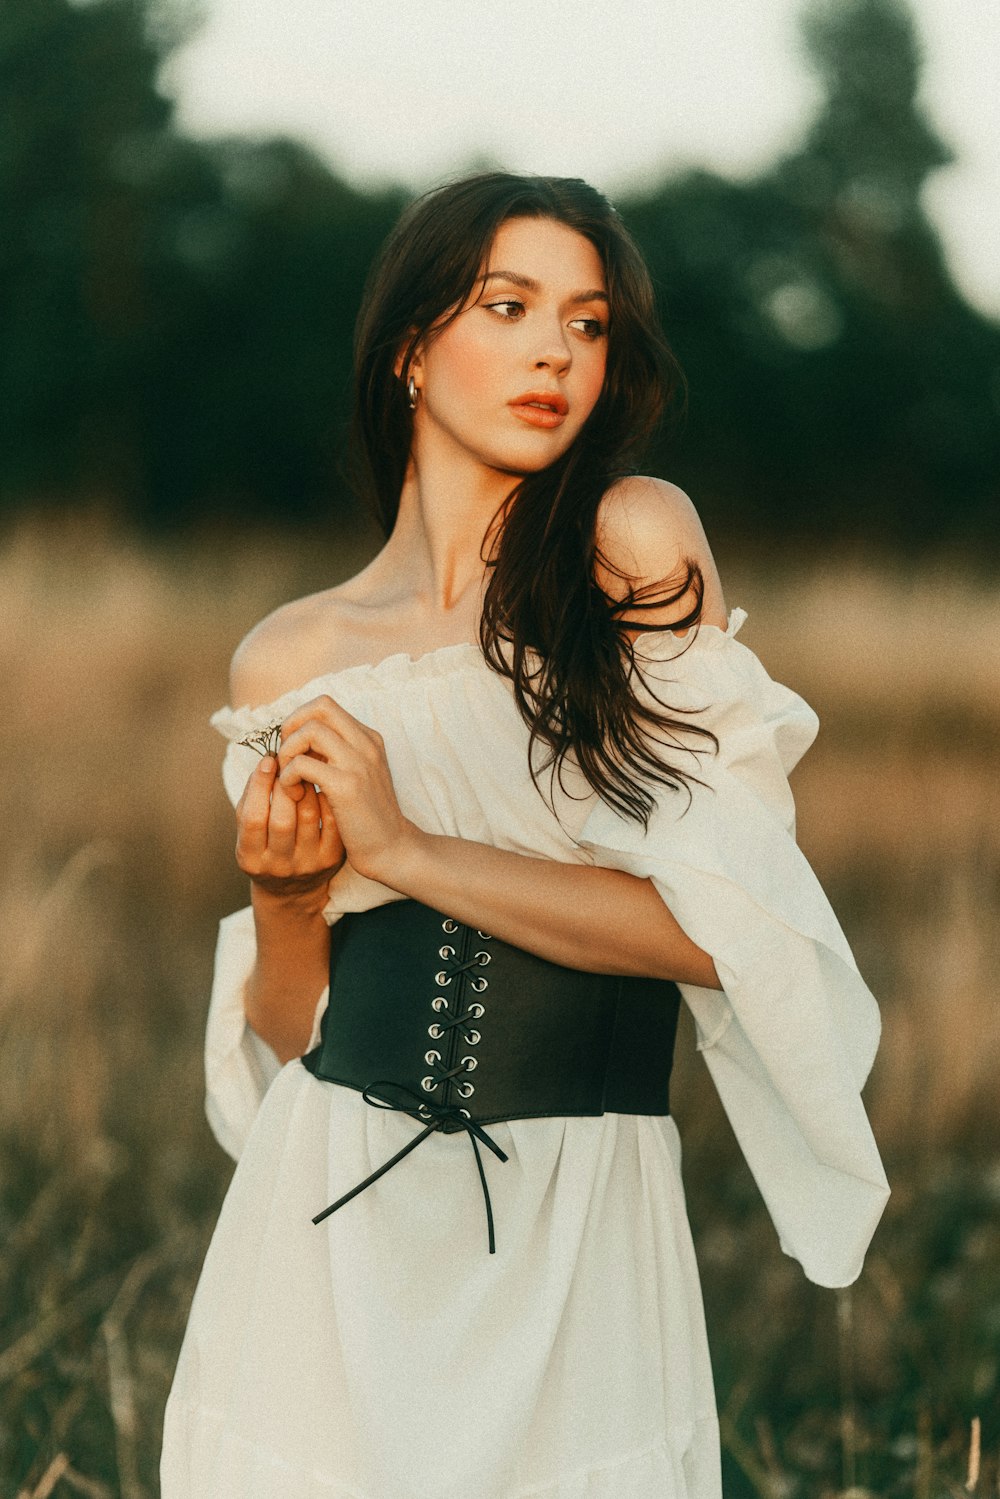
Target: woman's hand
{"points": [[288, 843], [322, 743]]}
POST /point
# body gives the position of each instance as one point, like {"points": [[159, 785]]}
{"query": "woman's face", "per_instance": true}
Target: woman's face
{"points": [[513, 378]]}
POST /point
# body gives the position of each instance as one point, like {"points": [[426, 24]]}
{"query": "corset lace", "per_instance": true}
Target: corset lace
{"points": [[446, 1073]]}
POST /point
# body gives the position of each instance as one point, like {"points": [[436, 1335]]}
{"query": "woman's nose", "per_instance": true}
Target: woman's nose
{"points": [[552, 349]]}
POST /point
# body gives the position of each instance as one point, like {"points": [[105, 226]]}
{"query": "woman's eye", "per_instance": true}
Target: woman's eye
{"points": [[592, 326], [507, 302]]}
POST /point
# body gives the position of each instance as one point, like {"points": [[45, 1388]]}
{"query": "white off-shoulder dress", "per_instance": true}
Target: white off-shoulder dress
{"points": [[386, 1354]]}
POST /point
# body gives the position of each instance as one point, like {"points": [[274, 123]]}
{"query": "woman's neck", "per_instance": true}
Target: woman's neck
{"points": [[438, 543]]}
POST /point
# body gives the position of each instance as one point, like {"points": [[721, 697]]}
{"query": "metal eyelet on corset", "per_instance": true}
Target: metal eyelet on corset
{"points": [[470, 1063], [432, 1057], [476, 1010], [449, 924], [484, 958], [439, 1003], [479, 983], [446, 951], [442, 978], [428, 1084], [466, 1113], [485, 935], [472, 1038], [435, 1031], [466, 1089]]}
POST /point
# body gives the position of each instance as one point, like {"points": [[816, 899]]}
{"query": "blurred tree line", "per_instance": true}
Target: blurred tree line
{"points": [[177, 315]]}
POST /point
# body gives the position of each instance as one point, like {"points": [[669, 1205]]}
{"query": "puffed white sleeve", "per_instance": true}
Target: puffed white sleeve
{"points": [[239, 1065], [791, 1037]]}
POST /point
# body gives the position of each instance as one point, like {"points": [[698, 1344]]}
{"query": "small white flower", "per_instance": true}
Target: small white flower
{"points": [[264, 741]]}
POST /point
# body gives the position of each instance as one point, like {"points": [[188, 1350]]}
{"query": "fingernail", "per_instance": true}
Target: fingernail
{"points": [[268, 763]]}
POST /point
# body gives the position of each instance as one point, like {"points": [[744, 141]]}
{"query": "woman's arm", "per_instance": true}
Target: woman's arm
{"points": [[602, 920], [290, 974], [289, 847], [599, 920]]}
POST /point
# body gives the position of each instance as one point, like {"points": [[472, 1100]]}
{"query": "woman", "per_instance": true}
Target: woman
{"points": [[447, 947]]}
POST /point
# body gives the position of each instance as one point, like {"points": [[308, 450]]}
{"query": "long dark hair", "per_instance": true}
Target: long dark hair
{"points": [[542, 596]]}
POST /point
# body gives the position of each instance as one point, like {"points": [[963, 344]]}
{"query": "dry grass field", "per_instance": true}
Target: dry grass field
{"points": [[118, 866]]}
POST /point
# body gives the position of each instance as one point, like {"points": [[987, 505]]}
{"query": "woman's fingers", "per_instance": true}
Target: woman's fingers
{"points": [[287, 838], [314, 751], [253, 812], [304, 773], [324, 713], [313, 737], [325, 730], [332, 797], [282, 823], [308, 820], [331, 845], [317, 837]]}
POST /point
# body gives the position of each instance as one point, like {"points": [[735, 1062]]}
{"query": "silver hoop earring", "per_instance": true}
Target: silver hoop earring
{"points": [[411, 393]]}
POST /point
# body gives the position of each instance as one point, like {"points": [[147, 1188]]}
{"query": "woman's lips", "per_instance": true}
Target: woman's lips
{"points": [[541, 410]]}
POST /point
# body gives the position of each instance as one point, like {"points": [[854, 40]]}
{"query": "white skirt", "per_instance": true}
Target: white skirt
{"points": [[386, 1354]]}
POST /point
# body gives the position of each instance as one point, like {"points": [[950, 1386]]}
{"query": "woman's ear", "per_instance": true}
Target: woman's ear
{"points": [[402, 367]]}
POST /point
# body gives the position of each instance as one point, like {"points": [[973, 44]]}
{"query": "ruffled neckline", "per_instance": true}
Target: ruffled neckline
{"points": [[445, 660], [391, 671]]}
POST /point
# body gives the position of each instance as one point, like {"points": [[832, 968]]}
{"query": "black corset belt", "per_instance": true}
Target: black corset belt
{"points": [[450, 1025]]}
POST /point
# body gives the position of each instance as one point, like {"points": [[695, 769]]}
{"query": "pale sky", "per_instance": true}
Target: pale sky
{"points": [[620, 93]]}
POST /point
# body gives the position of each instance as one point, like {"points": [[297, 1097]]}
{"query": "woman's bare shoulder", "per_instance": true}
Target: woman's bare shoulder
{"points": [[648, 529], [288, 647]]}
